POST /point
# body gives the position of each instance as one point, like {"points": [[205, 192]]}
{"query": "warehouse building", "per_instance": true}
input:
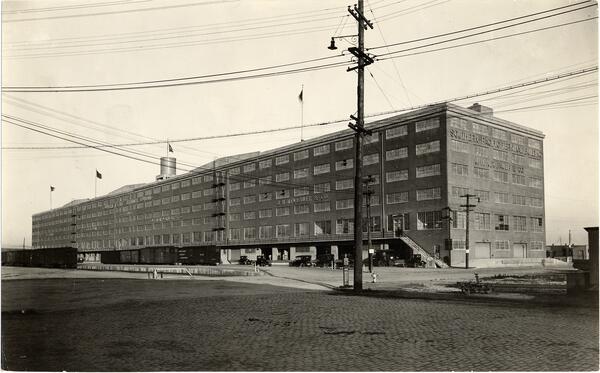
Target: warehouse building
{"points": [[298, 199]]}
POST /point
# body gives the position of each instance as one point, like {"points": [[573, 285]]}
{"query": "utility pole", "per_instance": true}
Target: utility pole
{"points": [[468, 207], [369, 193]]}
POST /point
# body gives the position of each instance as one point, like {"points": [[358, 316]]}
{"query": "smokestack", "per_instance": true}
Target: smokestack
{"points": [[484, 110]]}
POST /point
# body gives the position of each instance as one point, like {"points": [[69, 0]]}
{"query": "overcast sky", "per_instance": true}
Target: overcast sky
{"points": [[60, 43]]}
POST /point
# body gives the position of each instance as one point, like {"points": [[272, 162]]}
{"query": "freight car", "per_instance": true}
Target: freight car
{"points": [[199, 255], [56, 257]]}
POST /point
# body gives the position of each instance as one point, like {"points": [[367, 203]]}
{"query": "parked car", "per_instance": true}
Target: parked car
{"points": [[262, 261], [324, 260], [302, 261], [244, 260], [415, 261]]}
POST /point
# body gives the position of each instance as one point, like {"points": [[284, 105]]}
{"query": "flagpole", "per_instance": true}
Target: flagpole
{"points": [[50, 198], [302, 115], [96, 184]]}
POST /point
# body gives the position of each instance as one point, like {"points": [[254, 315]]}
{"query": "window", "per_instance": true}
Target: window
{"points": [[481, 221], [344, 184], [285, 176], [458, 245], [206, 220], [429, 170], [235, 217], [427, 124], [282, 211], [344, 226], [375, 224], [459, 219], [502, 197], [398, 153], [517, 139], [321, 150], [500, 155], [282, 194], [321, 169], [265, 231], [537, 225], [518, 159], [481, 173], [175, 186], [427, 194], [501, 223], [481, 129], [459, 146], [322, 206], [196, 208], [322, 227], [500, 176], [232, 202], [519, 200], [459, 191], [518, 179], [301, 229], [173, 199], [298, 192], [235, 234], [499, 134], [344, 164], [185, 210], [298, 156], [392, 176], [428, 147], [234, 171], [536, 245], [322, 188], [265, 164], [250, 183], [249, 233], [501, 245], [208, 178], [198, 193], [267, 196], [460, 123], [300, 173], [460, 169], [396, 132], [234, 186], [249, 215], [265, 180], [175, 211], [176, 237], [282, 159], [399, 197], [535, 144], [536, 202], [301, 209], [343, 204], [209, 192], [249, 199], [249, 167], [429, 220], [370, 159], [282, 230], [520, 223], [481, 151], [535, 163], [535, 182], [345, 144]]}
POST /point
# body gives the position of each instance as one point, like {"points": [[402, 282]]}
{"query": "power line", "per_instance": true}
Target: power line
{"points": [[120, 11], [68, 7], [480, 41]]}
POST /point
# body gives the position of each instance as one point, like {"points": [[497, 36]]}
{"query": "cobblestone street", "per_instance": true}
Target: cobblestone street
{"points": [[145, 325]]}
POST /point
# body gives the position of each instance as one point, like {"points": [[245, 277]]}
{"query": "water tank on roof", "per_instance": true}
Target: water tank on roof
{"points": [[168, 168]]}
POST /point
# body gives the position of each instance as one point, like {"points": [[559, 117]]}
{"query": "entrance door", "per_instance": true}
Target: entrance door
{"points": [[482, 250], [399, 224], [519, 250]]}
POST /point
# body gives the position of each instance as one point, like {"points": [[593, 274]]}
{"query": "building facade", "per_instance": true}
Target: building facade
{"points": [[298, 199]]}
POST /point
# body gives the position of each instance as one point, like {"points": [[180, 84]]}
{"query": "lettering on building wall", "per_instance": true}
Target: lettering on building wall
{"points": [[309, 198], [478, 139]]}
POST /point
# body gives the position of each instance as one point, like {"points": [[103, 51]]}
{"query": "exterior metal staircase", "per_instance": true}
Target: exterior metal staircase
{"points": [[419, 250]]}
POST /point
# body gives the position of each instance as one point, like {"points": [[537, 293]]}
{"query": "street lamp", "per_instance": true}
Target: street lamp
{"points": [[332, 45]]}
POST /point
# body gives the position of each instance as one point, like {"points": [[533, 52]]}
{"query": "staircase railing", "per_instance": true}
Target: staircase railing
{"points": [[419, 250]]}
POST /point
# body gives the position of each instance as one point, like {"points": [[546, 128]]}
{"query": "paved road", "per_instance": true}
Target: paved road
{"points": [[147, 325]]}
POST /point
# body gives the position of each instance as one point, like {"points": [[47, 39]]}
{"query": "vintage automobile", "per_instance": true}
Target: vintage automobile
{"points": [[302, 261], [262, 261], [244, 260], [324, 260]]}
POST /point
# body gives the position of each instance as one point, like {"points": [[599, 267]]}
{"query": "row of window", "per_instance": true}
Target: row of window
{"points": [[499, 155], [496, 133], [501, 245], [482, 221]]}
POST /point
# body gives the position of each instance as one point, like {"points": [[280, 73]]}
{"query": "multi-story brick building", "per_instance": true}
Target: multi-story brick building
{"points": [[298, 199]]}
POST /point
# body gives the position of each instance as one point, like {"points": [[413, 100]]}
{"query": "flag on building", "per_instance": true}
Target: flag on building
{"points": [[301, 95], [51, 188], [170, 148], [98, 175]]}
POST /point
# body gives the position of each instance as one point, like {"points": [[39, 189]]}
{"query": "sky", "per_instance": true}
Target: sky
{"points": [[97, 42]]}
